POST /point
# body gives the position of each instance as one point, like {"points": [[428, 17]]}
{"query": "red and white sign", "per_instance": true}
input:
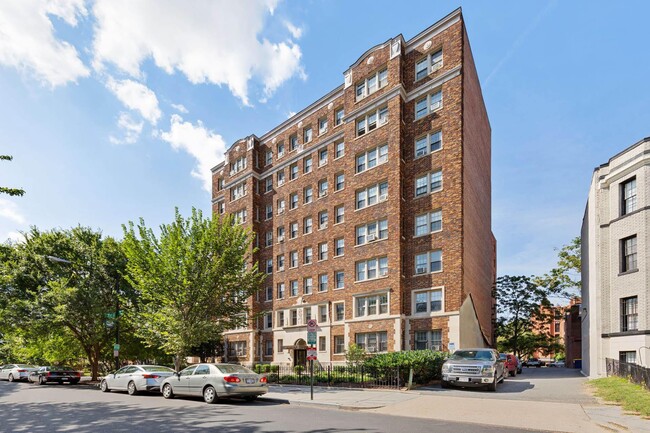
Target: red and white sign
{"points": [[312, 325], [312, 354]]}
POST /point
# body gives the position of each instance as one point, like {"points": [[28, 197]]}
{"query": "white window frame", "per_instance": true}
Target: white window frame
{"points": [[308, 285], [306, 256], [268, 158], [322, 157], [307, 134], [322, 125], [337, 339], [293, 171], [366, 158], [433, 103], [322, 314], [268, 294], [323, 251], [428, 221], [293, 142], [238, 191], [427, 139], [423, 269], [293, 259], [269, 212], [429, 179], [377, 192], [339, 149], [373, 264], [341, 215], [429, 294], [364, 85], [268, 184], [380, 337], [429, 340], [366, 301], [433, 61], [281, 290], [307, 228], [336, 280], [323, 188], [378, 118], [323, 284], [293, 233], [339, 186], [307, 168], [293, 288], [338, 120]]}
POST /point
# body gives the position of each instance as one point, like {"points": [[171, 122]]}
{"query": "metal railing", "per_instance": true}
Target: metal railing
{"points": [[339, 376], [633, 372]]}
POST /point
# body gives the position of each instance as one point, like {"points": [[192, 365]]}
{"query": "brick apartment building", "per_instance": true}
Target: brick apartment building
{"points": [[371, 209]]}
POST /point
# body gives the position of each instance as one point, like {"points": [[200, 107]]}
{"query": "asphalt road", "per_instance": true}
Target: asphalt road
{"points": [[559, 385], [57, 408]]}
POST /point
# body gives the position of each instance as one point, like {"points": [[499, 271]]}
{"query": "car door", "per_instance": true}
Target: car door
{"points": [[120, 379], [2, 372], [181, 383], [198, 379]]}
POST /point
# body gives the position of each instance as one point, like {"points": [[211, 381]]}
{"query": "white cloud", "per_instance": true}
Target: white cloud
{"points": [[180, 108], [27, 40], [204, 145], [10, 210], [15, 237], [296, 32], [129, 127], [136, 96], [214, 41]]}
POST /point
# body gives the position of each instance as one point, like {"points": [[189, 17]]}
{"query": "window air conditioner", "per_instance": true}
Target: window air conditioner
{"points": [[383, 197], [372, 238], [281, 238], [420, 270]]}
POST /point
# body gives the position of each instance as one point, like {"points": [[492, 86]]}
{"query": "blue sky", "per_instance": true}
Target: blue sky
{"points": [[116, 110]]}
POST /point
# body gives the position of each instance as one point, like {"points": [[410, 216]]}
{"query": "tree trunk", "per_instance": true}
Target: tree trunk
{"points": [[177, 362], [94, 363]]}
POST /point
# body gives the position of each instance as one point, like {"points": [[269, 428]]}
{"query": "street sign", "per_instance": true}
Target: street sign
{"points": [[311, 337], [116, 353], [116, 347], [312, 354], [312, 325]]}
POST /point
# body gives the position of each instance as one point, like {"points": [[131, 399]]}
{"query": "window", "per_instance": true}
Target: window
{"points": [[339, 247], [322, 219], [268, 157], [322, 125], [629, 316], [429, 301], [280, 176], [280, 261], [280, 345], [280, 291], [293, 230], [372, 195], [372, 342], [269, 266], [293, 200], [427, 65], [340, 182], [628, 357], [371, 84], [321, 343], [281, 207], [293, 142], [628, 196], [269, 184], [307, 285], [236, 348], [240, 216], [372, 158], [428, 262], [238, 191], [293, 259], [428, 144], [322, 313], [322, 157], [293, 171], [322, 188], [339, 212], [428, 340], [372, 305], [220, 184], [371, 121], [269, 239], [307, 164], [339, 114], [339, 149], [428, 223], [556, 327], [339, 280], [268, 320], [307, 195], [222, 207], [372, 232], [238, 165], [269, 211], [429, 183], [339, 344], [293, 288], [307, 134], [307, 225], [281, 234], [280, 150], [268, 348], [339, 311], [628, 254], [307, 255], [428, 104], [322, 251], [322, 283], [294, 317], [307, 315], [280, 323], [372, 268]]}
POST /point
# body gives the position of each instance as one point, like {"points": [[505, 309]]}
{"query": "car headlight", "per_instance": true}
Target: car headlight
{"points": [[487, 370], [446, 368]]}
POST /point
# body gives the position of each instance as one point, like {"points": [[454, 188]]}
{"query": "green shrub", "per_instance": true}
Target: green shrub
{"points": [[275, 369], [426, 364], [340, 368], [299, 369]]}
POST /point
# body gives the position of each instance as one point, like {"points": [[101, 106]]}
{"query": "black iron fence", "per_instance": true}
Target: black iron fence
{"points": [[339, 375], [632, 372]]}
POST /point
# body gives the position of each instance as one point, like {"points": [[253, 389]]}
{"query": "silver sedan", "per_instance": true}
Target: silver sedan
{"points": [[214, 381], [135, 378], [12, 372]]}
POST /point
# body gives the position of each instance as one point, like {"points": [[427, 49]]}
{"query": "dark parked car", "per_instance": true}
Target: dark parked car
{"points": [[54, 374], [533, 362]]}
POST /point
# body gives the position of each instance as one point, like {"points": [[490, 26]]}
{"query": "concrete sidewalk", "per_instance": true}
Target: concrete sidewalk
{"points": [[537, 415]]}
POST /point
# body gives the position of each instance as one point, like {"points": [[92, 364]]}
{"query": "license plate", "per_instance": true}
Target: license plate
{"points": [[464, 379], [250, 381]]}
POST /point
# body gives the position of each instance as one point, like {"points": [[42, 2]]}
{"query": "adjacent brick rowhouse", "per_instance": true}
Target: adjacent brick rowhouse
{"points": [[381, 308]]}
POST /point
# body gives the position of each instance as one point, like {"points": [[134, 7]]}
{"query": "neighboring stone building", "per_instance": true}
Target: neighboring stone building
{"points": [[372, 209], [615, 316]]}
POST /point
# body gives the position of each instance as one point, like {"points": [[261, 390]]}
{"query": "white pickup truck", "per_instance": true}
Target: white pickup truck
{"points": [[473, 367]]}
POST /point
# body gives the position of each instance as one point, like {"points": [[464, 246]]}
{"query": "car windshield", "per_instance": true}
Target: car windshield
{"points": [[157, 369], [472, 354], [24, 366], [231, 369]]}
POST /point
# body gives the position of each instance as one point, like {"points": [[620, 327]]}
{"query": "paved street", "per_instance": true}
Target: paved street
{"points": [[57, 408]]}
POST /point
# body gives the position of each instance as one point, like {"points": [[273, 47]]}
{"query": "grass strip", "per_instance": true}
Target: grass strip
{"points": [[630, 396]]}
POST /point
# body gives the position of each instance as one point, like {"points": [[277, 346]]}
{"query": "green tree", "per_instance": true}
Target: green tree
{"points": [[65, 283], [10, 191], [564, 279], [194, 281]]}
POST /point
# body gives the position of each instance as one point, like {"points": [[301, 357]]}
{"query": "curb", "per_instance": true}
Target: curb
{"points": [[320, 404]]}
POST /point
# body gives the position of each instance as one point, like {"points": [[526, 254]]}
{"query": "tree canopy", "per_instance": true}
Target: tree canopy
{"points": [[10, 191]]}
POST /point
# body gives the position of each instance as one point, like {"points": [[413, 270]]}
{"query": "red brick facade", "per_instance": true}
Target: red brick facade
{"points": [[379, 311]]}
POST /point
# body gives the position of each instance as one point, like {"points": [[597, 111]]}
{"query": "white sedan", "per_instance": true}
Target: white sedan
{"points": [[135, 378], [12, 372]]}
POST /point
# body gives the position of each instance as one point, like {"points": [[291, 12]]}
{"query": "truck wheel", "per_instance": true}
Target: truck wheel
{"points": [[493, 386], [444, 384]]}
